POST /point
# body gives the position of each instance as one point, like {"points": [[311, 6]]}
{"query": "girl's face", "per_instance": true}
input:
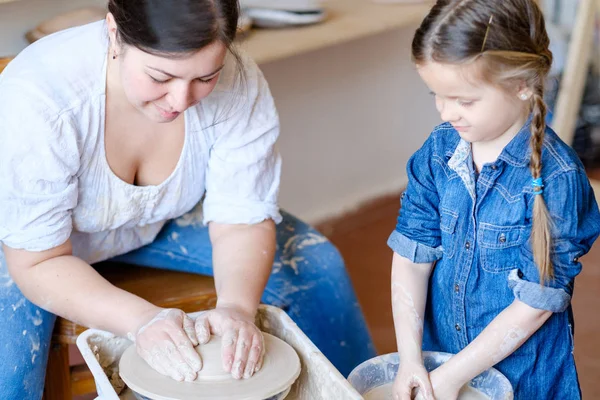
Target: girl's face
{"points": [[162, 88], [479, 112]]}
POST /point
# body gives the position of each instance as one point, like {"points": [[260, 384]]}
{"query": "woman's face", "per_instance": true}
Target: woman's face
{"points": [[161, 87]]}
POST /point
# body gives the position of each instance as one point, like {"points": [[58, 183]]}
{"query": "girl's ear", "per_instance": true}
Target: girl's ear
{"points": [[524, 92]]}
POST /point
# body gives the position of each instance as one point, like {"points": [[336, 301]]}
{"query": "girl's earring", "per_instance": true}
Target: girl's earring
{"points": [[114, 55], [523, 96]]}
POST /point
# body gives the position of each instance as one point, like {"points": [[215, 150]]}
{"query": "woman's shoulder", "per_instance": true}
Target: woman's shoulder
{"points": [[59, 70]]}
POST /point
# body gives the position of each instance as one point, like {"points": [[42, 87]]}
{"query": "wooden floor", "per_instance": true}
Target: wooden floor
{"points": [[361, 237]]}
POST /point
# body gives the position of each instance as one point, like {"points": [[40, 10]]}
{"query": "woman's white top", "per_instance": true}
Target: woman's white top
{"points": [[55, 181]]}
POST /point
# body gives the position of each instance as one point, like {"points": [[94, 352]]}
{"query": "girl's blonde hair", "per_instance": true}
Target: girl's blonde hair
{"points": [[508, 41]]}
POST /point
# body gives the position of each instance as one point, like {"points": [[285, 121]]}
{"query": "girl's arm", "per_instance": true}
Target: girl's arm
{"points": [[506, 333], [409, 296]]}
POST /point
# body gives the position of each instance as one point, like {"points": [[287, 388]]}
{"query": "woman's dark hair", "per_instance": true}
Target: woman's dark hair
{"points": [[171, 27]]}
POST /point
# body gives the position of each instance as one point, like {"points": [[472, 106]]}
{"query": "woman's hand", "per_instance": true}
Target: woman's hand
{"points": [[167, 343], [412, 377], [243, 343]]}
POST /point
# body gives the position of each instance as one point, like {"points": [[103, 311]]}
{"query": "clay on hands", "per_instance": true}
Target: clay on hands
{"points": [[167, 344], [243, 345]]}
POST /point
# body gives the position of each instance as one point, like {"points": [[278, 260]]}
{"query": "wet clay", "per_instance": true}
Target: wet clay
{"points": [[384, 392], [281, 367]]}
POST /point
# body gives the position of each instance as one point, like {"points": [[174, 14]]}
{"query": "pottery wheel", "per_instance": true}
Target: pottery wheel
{"points": [[281, 367]]}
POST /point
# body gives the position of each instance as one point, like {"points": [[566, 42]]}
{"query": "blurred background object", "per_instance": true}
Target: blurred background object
{"points": [[88, 15], [561, 19], [283, 13], [67, 20]]}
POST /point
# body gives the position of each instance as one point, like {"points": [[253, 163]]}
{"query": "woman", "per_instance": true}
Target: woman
{"points": [[111, 133]]}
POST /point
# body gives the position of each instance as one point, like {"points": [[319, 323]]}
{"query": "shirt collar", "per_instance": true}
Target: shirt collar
{"points": [[518, 152]]}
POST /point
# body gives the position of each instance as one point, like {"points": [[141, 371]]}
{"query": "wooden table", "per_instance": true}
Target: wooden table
{"points": [[4, 62]]}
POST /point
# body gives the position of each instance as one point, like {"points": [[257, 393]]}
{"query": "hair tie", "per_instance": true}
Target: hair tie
{"points": [[537, 186]]}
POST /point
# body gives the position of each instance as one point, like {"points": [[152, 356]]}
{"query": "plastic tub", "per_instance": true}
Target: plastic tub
{"points": [[382, 370]]}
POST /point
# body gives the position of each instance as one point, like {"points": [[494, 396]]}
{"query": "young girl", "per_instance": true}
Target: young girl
{"points": [[498, 203]]}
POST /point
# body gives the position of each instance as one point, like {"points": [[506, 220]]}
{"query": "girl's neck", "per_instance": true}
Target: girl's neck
{"points": [[488, 151]]}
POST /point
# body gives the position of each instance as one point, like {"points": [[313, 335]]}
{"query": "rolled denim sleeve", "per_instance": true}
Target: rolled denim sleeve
{"points": [[414, 251], [417, 235], [575, 226], [537, 296]]}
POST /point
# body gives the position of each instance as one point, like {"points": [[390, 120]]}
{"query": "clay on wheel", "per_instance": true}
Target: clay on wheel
{"points": [[281, 367]]}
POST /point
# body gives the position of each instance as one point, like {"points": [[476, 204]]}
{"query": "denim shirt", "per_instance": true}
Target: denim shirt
{"points": [[477, 227]]}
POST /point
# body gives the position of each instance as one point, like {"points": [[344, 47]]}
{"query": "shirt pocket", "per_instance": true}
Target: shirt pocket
{"points": [[448, 221], [500, 246]]}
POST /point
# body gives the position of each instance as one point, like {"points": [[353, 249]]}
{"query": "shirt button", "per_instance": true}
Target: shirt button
{"points": [[467, 245], [576, 259], [456, 288], [457, 326], [494, 167], [502, 238]]}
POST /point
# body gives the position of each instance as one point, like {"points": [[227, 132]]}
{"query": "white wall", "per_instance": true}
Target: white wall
{"points": [[351, 115]]}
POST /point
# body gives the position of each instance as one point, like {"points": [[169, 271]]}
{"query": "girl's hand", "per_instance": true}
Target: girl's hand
{"points": [[243, 343], [411, 377], [444, 387], [167, 343]]}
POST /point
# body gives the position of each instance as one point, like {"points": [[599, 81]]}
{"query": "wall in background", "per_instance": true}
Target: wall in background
{"points": [[351, 117]]}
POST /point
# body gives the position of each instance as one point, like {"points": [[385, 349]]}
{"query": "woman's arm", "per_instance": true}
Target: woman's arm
{"points": [[67, 286], [242, 261]]}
